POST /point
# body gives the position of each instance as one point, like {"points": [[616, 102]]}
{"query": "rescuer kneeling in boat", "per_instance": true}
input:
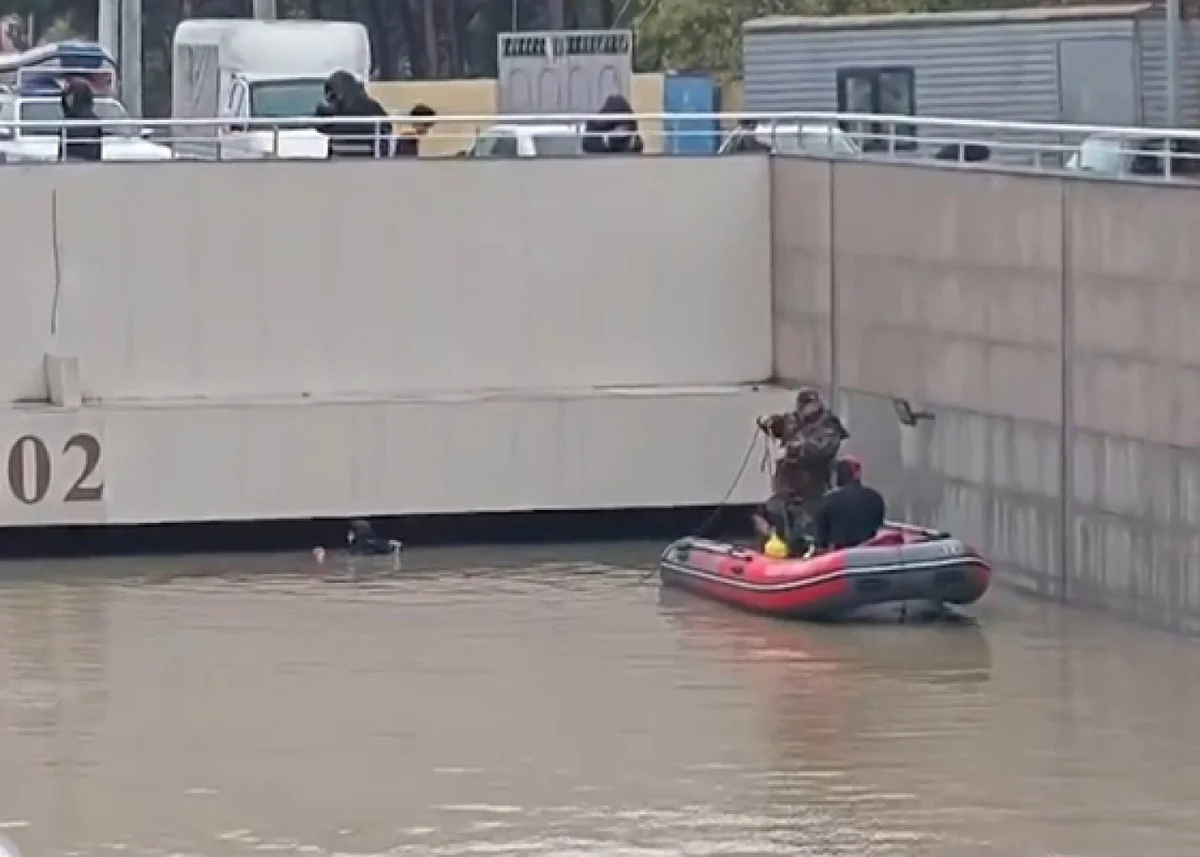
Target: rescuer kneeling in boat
{"points": [[852, 513], [811, 436]]}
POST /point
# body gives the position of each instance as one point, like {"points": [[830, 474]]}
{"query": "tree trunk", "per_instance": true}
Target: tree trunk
{"points": [[418, 57], [385, 58], [431, 39], [453, 43]]}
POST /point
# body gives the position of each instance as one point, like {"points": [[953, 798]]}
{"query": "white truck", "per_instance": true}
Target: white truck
{"points": [[239, 69]]}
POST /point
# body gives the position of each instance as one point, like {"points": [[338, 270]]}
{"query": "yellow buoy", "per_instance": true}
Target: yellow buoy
{"points": [[776, 548]]}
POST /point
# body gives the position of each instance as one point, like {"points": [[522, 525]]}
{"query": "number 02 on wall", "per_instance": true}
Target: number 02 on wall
{"points": [[32, 465]]}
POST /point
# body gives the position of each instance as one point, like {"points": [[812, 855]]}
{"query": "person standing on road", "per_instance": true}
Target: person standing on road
{"points": [[345, 96], [618, 135], [80, 142]]}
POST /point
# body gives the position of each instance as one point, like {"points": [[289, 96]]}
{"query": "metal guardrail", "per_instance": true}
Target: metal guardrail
{"points": [[1112, 151]]}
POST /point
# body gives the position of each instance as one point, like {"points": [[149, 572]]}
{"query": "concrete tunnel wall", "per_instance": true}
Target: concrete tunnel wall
{"points": [[270, 280], [1050, 324]]}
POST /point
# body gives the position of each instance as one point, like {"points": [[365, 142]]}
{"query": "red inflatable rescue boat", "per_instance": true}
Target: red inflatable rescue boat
{"points": [[902, 565]]}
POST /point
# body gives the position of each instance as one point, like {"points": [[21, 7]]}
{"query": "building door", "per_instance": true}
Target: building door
{"points": [[1097, 82]]}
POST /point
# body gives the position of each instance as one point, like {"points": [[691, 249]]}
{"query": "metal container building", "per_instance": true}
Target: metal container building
{"points": [[561, 71], [1097, 65]]}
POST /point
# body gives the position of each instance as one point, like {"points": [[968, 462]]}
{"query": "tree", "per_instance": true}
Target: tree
{"points": [[707, 34], [700, 34]]}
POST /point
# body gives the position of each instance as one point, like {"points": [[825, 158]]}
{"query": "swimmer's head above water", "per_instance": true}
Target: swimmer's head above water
{"points": [[360, 531], [361, 540]]}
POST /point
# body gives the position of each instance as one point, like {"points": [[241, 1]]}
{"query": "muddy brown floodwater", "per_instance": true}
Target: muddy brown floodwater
{"points": [[554, 702]]}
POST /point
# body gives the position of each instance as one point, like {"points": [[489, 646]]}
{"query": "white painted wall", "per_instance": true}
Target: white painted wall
{"points": [[220, 280], [27, 281], [193, 462], [310, 339]]}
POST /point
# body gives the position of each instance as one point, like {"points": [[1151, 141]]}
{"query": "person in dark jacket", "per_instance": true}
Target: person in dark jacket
{"points": [[850, 514], [345, 96], [613, 136], [80, 142]]}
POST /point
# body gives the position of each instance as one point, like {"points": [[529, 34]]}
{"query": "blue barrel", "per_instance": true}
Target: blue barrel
{"points": [[690, 92]]}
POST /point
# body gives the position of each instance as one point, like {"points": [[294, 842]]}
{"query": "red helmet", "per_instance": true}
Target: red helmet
{"points": [[849, 469]]}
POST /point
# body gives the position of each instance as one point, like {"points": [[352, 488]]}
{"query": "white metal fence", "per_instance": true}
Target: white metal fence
{"points": [[1109, 151]]}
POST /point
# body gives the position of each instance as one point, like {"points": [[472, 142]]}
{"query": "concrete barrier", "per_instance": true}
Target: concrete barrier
{"points": [[29, 248], [948, 294], [1049, 325], [802, 271], [1134, 363], [159, 462], [243, 341], [377, 278]]}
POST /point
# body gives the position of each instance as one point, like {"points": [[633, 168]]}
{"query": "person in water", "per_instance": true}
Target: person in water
{"points": [[852, 513], [361, 540], [811, 436]]}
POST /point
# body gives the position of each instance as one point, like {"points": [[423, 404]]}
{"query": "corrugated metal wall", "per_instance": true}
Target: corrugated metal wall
{"points": [[1152, 35], [1000, 71], [997, 71], [988, 71]]}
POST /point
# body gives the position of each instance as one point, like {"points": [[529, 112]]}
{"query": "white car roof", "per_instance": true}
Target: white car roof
{"points": [[548, 129], [796, 128]]}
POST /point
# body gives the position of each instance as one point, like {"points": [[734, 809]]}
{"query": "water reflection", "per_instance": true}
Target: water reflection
{"points": [[813, 687], [53, 691]]}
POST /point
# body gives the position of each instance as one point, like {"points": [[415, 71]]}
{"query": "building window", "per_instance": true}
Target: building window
{"points": [[886, 90]]}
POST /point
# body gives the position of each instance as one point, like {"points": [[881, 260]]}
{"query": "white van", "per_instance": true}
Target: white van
{"points": [[239, 69]]}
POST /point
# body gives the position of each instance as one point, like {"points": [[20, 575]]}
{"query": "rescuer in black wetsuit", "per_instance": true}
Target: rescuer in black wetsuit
{"points": [[361, 540], [850, 514]]}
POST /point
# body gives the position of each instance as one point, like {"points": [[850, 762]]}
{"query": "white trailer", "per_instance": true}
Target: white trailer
{"points": [[240, 69]]}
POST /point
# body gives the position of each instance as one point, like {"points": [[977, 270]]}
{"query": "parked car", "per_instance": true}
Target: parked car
{"points": [[781, 138], [1114, 155], [17, 144], [528, 141]]}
